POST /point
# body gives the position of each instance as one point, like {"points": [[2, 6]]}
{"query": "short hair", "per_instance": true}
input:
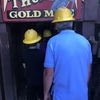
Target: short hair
{"points": [[64, 25]]}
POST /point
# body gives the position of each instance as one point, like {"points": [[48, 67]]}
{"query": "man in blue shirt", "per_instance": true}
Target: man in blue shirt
{"points": [[67, 61]]}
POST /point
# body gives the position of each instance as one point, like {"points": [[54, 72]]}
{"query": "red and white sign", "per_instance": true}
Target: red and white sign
{"points": [[32, 10]]}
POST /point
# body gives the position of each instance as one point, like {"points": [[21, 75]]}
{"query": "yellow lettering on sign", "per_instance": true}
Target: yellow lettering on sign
{"points": [[5, 4], [35, 1], [15, 4], [13, 14], [30, 14], [26, 3], [48, 13], [22, 14], [37, 13]]}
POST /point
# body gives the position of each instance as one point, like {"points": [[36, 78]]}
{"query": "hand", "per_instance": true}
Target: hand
{"points": [[24, 65]]}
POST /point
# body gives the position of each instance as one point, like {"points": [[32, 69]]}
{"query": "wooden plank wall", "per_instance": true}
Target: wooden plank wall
{"points": [[0, 80], [98, 20], [6, 63], [0, 14], [91, 9], [88, 29]]}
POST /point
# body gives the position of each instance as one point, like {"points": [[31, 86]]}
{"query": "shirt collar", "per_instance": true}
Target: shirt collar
{"points": [[67, 31]]}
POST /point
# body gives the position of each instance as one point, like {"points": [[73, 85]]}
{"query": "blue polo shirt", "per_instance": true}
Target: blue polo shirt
{"points": [[70, 55]]}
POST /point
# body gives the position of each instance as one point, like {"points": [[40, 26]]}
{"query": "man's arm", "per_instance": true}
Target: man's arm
{"points": [[48, 78]]}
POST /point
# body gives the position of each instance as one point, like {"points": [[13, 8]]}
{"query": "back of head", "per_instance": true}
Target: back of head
{"points": [[63, 19], [63, 25]]}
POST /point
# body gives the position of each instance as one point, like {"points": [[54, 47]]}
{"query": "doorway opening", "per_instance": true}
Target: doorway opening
{"points": [[26, 58]]}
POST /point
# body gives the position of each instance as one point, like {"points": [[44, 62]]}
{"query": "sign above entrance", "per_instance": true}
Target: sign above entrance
{"points": [[33, 10]]}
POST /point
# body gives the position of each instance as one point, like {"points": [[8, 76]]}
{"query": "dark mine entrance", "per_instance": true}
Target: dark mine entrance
{"points": [[28, 63]]}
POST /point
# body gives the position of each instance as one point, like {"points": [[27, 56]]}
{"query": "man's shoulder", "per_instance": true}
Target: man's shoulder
{"points": [[81, 37], [52, 39], [83, 40]]}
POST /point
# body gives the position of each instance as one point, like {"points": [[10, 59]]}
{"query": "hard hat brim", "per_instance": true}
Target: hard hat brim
{"points": [[31, 42], [66, 20]]}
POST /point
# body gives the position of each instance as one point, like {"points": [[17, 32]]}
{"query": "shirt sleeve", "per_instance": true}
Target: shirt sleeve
{"points": [[49, 57]]}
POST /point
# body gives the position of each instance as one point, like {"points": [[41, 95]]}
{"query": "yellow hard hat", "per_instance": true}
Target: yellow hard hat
{"points": [[63, 14], [47, 33], [31, 36]]}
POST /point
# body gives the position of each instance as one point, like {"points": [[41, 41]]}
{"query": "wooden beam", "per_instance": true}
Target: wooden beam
{"points": [[0, 80], [7, 76], [88, 29], [1, 20], [99, 12], [0, 94], [91, 9]]}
